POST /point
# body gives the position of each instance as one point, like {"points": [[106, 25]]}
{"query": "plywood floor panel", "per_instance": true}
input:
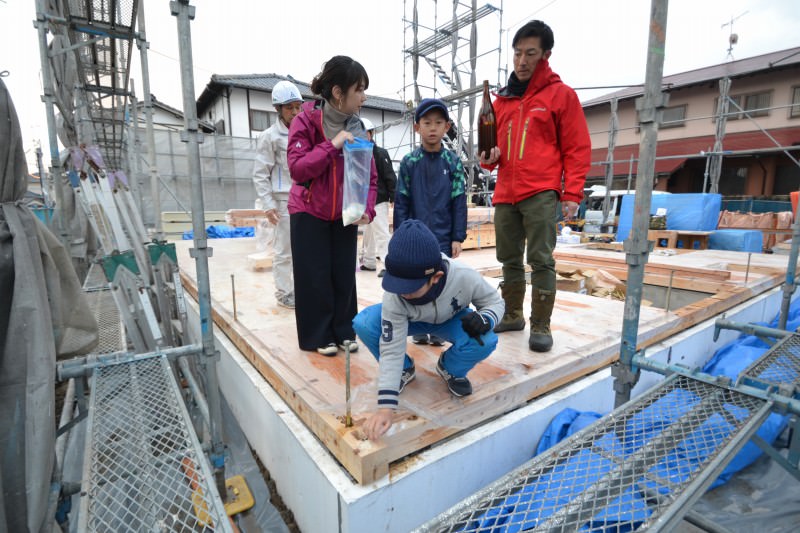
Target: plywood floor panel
{"points": [[586, 333]]}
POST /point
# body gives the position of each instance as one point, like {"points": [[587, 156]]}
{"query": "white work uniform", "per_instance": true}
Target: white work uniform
{"points": [[376, 237], [272, 181]]}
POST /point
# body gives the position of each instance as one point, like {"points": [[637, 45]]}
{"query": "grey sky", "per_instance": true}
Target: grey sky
{"points": [[597, 42]]}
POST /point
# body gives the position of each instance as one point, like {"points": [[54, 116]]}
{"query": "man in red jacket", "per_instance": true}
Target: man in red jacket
{"points": [[543, 152]]}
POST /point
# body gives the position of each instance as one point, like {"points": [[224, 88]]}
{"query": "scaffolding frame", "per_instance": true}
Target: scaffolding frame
{"points": [[134, 390], [439, 44]]}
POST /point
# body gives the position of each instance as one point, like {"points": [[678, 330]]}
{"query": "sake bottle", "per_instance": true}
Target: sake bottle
{"points": [[487, 124]]}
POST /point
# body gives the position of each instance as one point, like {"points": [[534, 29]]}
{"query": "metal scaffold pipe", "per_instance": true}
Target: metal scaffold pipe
{"points": [[790, 283], [184, 13], [155, 186], [637, 246], [52, 138]]}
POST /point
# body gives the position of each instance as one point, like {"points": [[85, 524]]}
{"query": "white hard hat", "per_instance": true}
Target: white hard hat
{"points": [[285, 92], [368, 125]]}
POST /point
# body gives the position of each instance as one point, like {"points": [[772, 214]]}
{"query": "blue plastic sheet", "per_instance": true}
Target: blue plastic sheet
{"points": [[567, 480], [738, 240], [564, 424], [688, 212], [222, 231], [552, 490]]}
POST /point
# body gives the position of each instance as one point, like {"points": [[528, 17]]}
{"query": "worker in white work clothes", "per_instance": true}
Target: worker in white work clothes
{"points": [[272, 180], [426, 292], [376, 233]]}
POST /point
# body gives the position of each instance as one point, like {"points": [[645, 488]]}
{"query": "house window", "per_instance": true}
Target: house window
{"points": [[259, 120], [733, 111], [757, 105], [673, 116], [795, 109]]}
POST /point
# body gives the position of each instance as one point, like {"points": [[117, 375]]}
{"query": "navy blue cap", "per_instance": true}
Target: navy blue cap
{"points": [[428, 104], [413, 258]]}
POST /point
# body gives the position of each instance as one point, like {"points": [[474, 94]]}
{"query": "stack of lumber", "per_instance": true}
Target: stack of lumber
{"points": [[174, 223], [592, 281], [241, 218]]}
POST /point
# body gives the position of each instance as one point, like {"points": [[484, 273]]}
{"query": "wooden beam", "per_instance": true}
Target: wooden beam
{"points": [[653, 268]]}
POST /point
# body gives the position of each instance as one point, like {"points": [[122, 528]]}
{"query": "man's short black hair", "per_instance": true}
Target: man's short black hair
{"points": [[535, 28]]}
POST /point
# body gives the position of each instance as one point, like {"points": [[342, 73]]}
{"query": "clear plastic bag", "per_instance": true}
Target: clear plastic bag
{"points": [[264, 231], [265, 236], [357, 166]]}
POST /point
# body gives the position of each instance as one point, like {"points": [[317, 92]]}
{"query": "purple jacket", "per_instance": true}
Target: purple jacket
{"points": [[317, 167]]}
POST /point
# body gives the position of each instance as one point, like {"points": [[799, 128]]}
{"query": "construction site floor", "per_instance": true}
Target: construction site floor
{"points": [[585, 330]]}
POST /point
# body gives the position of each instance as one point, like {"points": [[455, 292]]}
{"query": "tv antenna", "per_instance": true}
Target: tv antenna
{"points": [[733, 38]]}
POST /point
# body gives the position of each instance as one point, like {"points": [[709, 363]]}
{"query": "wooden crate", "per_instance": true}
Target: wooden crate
{"points": [[663, 238], [688, 240]]}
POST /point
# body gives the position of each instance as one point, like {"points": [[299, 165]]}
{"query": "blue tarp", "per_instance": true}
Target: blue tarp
{"points": [[553, 489], [738, 240], [222, 231], [688, 212]]}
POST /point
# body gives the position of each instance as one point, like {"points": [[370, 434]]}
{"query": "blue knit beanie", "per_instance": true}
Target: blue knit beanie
{"points": [[413, 258], [428, 104]]}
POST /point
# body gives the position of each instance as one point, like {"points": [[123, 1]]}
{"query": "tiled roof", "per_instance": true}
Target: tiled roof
{"points": [[266, 82], [682, 149], [734, 69]]}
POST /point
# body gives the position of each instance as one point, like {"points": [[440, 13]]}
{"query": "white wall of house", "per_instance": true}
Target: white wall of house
{"points": [[240, 118], [395, 139], [218, 112], [163, 119]]}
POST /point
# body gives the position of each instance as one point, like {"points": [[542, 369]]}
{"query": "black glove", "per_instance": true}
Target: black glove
{"points": [[475, 324]]}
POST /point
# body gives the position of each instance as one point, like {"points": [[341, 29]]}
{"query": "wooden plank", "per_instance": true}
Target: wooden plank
{"points": [[260, 260], [313, 386], [656, 268]]}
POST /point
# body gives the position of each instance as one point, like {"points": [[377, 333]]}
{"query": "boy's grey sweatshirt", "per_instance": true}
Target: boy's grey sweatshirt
{"points": [[463, 286]]}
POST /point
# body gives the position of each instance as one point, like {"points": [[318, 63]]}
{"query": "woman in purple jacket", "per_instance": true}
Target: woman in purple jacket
{"points": [[323, 249]]}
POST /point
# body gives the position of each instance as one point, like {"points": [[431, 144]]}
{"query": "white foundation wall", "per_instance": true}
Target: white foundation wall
{"points": [[324, 499]]}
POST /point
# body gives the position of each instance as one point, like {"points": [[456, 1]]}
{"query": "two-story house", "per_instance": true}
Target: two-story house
{"points": [[755, 161], [241, 106]]}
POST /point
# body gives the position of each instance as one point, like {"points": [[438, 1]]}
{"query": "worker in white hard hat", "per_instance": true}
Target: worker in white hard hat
{"points": [[272, 181], [376, 234]]}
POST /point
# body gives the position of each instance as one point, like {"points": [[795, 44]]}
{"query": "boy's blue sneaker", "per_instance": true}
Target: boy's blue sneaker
{"points": [[459, 387], [407, 376]]}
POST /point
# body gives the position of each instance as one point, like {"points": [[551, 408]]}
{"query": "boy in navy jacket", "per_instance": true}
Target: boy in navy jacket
{"points": [[431, 186]]}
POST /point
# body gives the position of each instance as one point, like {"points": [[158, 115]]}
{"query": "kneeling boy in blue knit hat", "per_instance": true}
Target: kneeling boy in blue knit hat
{"points": [[426, 292]]}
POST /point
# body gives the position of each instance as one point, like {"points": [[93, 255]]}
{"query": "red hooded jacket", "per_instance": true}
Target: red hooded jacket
{"points": [[542, 138]]}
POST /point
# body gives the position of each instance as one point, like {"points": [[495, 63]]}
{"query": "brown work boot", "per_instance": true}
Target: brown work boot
{"points": [[541, 309], [513, 319]]}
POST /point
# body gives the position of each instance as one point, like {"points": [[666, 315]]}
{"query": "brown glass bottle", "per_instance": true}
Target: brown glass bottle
{"points": [[487, 124]]}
